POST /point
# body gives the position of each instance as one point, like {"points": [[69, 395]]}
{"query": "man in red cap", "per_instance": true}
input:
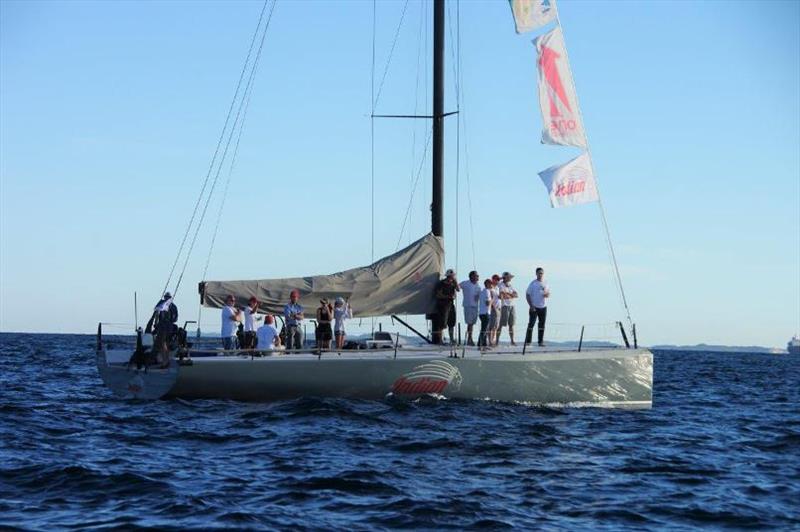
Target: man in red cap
{"points": [[293, 313]]}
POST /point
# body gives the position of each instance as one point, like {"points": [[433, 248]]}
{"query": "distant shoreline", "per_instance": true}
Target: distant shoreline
{"points": [[713, 348]]}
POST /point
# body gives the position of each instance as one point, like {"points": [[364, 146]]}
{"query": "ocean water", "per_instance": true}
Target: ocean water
{"points": [[720, 449]]}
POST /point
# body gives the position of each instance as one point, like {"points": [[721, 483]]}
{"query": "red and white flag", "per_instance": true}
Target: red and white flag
{"points": [[557, 99], [571, 183], [532, 14]]}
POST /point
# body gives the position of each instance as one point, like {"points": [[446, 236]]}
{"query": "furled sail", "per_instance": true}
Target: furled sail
{"points": [[402, 283]]}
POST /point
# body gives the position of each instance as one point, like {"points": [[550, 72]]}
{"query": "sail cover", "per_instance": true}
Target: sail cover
{"points": [[402, 283]]}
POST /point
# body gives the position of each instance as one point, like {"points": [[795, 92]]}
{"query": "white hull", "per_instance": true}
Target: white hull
{"points": [[612, 377]]}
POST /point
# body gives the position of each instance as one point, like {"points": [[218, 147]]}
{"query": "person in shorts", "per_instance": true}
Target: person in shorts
{"points": [[341, 313], [508, 315], [470, 290], [494, 311]]}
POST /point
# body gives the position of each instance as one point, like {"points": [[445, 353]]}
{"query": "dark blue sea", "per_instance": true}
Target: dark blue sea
{"points": [[720, 449]]}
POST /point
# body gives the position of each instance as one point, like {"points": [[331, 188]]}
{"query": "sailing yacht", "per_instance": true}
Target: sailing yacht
{"points": [[403, 284]]}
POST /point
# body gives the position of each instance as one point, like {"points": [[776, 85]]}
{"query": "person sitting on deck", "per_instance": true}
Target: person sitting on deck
{"points": [[250, 320], [231, 316], [341, 312], [269, 339], [445, 307], [324, 317], [293, 313]]}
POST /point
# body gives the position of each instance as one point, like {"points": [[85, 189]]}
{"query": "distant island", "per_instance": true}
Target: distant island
{"points": [[721, 348]]}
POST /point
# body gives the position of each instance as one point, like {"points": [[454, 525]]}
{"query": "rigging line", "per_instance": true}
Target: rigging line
{"points": [[416, 107], [618, 277], [458, 135], [227, 145], [462, 105], [389, 59], [216, 150], [224, 195], [372, 145], [414, 188]]}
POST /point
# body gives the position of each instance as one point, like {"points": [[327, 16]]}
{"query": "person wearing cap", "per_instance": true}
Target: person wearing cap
{"points": [[341, 313], [324, 334], [470, 290], [445, 307], [268, 336], [293, 314], [537, 294], [231, 317], [494, 315], [250, 320], [163, 325], [508, 315]]}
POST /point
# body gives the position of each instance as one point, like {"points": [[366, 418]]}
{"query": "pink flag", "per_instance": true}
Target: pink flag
{"points": [[532, 14], [557, 100], [571, 183]]}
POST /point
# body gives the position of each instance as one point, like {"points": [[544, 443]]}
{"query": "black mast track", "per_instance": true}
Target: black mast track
{"points": [[437, 206]]}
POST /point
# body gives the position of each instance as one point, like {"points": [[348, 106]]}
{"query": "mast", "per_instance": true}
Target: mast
{"points": [[437, 203]]}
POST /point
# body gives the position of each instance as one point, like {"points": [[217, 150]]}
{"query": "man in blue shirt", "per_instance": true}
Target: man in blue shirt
{"points": [[293, 313]]}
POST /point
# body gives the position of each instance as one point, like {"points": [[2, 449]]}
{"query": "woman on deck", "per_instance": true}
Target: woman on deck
{"points": [[324, 318], [341, 312]]}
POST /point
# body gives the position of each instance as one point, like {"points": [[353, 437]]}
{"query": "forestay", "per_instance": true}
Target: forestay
{"points": [[402, 283]]}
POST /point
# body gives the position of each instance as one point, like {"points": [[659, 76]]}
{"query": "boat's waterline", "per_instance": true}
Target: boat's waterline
{"points": [[605, 378]]}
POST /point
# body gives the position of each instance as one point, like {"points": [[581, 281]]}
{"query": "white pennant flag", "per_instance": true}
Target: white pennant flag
{"points": [[571, 183], [557, 100], [532, 14]]}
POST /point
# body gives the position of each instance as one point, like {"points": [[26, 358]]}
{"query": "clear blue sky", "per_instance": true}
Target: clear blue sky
{"points": [[109, 112]]}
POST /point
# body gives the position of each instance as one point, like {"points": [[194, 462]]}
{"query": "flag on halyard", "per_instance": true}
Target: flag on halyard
{"points": [[571, 183], [532, 14], [557, 99]]}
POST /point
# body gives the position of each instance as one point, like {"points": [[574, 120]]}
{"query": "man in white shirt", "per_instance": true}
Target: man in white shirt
{"points": [[250, 321], [231, 316], [470, 290], [508, 315], [494, 311], [269, 338], [536, 295]]}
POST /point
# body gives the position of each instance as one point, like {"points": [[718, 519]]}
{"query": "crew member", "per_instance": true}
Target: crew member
{"points": [[445, 307], [508, 315], [537, 294], [293, 313], [250, 322], [470, 290], [231, 317]]}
